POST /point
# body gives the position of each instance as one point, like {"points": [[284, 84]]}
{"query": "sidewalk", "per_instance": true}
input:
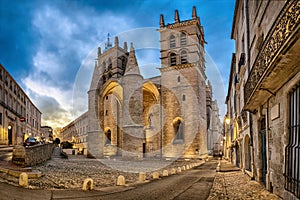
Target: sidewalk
{"points": [[231, 183]]}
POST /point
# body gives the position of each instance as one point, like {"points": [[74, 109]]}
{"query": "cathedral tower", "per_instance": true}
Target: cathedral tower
{"points": [[183, 88], [132, 82]]}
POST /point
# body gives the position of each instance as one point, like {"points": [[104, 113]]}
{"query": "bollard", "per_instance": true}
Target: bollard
{"points": [[121, 180], [155, 175], [142, 176], [183, 168], [173, 171], [179, 169], [165, 173], [88, 184], [187, 167], [23, 180]]}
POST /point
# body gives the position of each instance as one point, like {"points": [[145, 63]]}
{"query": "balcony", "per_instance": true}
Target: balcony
{"points": [[278, 59]]}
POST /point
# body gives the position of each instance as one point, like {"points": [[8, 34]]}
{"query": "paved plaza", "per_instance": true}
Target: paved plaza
{"points": [[68, 175]]}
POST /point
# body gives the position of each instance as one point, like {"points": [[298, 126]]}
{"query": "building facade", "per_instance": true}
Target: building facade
{"points": [[19, 117], [263, 96], [163, 116], [76, 132], [46, 134], [215, 131]]}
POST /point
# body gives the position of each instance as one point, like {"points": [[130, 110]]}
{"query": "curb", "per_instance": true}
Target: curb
{"points": [[16, 173]]}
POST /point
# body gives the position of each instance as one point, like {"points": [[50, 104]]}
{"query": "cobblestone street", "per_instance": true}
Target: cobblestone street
{"points": [[70, 173], [229, 183], [237, 185]]}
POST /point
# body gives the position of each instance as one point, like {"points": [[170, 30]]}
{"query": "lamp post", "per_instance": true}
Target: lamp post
{"points": [[227, 122]]}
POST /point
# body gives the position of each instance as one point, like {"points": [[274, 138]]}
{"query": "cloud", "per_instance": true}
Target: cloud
{"points": [[64, 39]]}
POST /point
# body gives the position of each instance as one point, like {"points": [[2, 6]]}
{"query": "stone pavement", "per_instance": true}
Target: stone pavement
{"points": [[231, 183]]}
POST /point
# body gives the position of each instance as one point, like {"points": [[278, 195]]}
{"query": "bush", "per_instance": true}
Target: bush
{"points": [[57, 141], [67, 145]]}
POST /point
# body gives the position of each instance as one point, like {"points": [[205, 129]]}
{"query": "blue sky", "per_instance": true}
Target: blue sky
{"points": [[49, 47]]}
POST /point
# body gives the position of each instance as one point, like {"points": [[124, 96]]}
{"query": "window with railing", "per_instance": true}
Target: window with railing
{"points": [[292, 150]]}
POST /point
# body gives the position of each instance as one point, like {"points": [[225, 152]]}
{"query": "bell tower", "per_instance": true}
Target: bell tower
{"points": [[183, 81]]}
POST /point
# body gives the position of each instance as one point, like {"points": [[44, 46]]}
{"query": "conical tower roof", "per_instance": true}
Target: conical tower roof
{"points": [[132, 65]]}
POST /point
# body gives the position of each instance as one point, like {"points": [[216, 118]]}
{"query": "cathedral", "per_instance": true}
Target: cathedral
{"points": [[164, 116]]}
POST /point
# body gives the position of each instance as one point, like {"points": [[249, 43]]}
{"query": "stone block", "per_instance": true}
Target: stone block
{"points": [[88, 184], [142, 176], [173, 171], [165, 173], [23, 180], [155, 175], [179, 169], [121, 180]]}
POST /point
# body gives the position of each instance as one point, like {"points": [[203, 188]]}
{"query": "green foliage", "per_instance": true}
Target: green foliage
{"points": [[67, 145]]}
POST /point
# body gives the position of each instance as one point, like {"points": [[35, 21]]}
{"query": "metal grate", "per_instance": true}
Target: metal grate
{"points": [[292, 150]]}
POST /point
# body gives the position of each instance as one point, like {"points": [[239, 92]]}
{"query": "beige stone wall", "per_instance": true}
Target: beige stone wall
{"points": [[187, 100], [277, 136], [33, 155], [133, 135]]}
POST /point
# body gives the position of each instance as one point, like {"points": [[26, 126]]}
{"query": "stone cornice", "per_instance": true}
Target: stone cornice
{"points": [[285, 26], [177, 67], [181, 24]]}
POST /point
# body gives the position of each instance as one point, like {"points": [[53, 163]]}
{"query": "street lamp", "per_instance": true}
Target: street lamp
{"points": [[227, 120], [9, 127]]}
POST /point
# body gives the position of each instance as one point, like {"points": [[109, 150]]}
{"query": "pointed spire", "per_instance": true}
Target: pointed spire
{"points": [[194, 14], [177, 20], [108, 44], [132, 65], [125, 46], [99, 51], [132, 48], [96, 63], [161, 21], [116, 41]]}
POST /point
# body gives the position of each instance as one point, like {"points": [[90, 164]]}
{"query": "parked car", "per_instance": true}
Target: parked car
{"points": [[30, 142]]}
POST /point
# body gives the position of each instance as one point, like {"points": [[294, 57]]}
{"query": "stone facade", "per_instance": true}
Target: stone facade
{"points": [[263, 96], [46, 134], [19, 117], [163, 116], [215, 131], [76, 132]]}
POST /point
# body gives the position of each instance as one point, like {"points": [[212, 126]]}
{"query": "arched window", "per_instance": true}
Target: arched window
{"points": [[183, 57], [178, 129], [124, 62], [172, 41], [172, 59], [104, 66], [109, 64], [178, 79], [182, 39], [108, 137]]}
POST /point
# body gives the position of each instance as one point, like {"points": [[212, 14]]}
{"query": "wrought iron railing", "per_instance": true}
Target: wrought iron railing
{"points": [[285, 26]]}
